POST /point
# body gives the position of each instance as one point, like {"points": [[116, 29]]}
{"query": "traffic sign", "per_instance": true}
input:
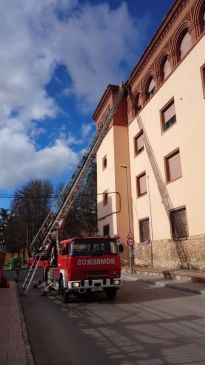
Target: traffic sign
{"points": [[130, 242], [130, 235]]}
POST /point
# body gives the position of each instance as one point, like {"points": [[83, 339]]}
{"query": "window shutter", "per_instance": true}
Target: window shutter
{"points": [[106, 230], [144, 230], [174, 166], [142, 187], [139, 143], [169, 113], [105, 198], [179, 224]]}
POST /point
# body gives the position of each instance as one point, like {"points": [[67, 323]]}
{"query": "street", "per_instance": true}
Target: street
{"points": [[146, 325]]}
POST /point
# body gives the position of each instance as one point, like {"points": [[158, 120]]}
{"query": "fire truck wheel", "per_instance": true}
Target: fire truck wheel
{"points": [[111, 293], [66, 297], [62, 291]]}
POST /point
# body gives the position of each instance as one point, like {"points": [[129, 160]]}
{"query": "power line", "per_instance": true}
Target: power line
{"points": [[5, 196]]}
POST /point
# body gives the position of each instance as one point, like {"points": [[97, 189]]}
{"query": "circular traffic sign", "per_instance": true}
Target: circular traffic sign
{"points": [[130, 242]]}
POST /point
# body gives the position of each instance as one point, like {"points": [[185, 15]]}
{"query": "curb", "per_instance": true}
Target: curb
{"points": [[29, 355], [191, 290], [177, 286]]}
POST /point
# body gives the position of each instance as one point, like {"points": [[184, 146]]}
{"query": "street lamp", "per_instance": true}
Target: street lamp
{"points": [[129, 220]]}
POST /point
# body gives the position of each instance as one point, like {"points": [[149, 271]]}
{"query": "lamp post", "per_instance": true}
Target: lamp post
{"points": [[129, 219]]}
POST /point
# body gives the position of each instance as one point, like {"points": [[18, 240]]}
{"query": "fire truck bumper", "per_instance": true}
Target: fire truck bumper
{"points": [[82, 286]]}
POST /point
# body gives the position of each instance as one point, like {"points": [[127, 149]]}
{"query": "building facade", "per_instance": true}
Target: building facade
{"points": [[151, 164]]}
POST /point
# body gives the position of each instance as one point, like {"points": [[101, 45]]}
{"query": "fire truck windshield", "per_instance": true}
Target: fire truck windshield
{"points": [[86, 247]]}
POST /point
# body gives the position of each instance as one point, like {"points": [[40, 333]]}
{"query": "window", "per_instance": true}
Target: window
{"points": [[166, 69], [185, 45], [106, 230], [178, 221], [168, 116], [173, 166], [141, 184], [104, 162], [202, 18], [138, 105], [105, 198], [203, 78], [139, 143], [150, 89], [203, 22], [144, 230]]}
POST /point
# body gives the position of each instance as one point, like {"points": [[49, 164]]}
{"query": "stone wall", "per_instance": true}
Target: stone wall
{"points": [[182, 254]]}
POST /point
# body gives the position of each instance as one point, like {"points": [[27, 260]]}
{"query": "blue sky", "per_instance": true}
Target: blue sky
{"points": [[57, 57]]}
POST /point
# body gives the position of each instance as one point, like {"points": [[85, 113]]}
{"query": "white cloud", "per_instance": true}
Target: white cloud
{"points": [[86, 130], [20, 161], [92, 41], [99, 41]]}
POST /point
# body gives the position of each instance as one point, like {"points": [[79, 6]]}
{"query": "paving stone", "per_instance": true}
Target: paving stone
{"points": [[13, 349]]}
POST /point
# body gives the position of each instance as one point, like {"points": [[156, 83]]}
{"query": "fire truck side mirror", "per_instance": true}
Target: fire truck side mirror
{"points": [[121, 248]]}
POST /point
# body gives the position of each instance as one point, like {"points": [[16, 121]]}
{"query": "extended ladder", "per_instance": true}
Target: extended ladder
{"points": [[43, 241], [30, 276], [162, 189]]}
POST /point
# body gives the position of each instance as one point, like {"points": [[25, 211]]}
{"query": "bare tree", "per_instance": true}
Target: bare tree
{"points": [[30, 207]]}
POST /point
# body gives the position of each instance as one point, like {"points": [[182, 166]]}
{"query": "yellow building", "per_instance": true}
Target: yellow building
{"points": [[150, 165]]}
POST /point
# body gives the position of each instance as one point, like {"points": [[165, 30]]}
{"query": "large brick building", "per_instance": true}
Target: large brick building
{"points": [[151, 164]]}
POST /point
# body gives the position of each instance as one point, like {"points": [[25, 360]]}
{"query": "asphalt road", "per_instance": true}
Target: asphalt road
{"points": [[146, 325]]}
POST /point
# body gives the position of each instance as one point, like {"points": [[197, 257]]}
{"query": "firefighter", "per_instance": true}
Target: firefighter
{"points": [[122, 88]]}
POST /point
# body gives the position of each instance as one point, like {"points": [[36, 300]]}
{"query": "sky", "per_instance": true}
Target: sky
{"points": [[56, 59]]}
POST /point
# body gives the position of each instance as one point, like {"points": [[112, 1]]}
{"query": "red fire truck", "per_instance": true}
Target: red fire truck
{"points": [[82, 264]]}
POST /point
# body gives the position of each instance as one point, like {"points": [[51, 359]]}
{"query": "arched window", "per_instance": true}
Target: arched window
{"points": [[200, 17], [138, 104], [150, 89], [184, 46], [166, 69], [202, 20]]}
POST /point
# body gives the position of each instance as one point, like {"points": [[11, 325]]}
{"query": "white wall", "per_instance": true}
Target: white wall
{"points": [[106, 181], [187, 134]]}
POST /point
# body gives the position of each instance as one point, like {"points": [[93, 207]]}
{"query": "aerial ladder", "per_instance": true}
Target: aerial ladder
{"points": [[163, 191], [45, 239]]}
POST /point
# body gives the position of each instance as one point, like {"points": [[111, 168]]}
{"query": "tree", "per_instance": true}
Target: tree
{"points": [[5, 216], [30, 207]]}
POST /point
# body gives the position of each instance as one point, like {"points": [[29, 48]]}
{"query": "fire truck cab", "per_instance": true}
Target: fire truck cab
{"points": [[86, 264]]}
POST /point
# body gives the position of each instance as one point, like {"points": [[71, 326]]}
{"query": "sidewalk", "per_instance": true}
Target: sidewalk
{"points": [[154, 278], [14, 345]]}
